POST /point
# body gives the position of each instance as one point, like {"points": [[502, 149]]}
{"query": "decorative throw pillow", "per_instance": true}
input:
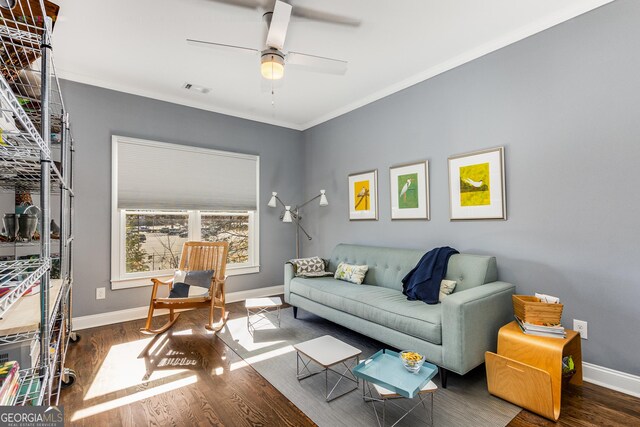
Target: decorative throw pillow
{"points": [[316, 274], [310, 267], [446, 287], [351, 273], [188, 284]]}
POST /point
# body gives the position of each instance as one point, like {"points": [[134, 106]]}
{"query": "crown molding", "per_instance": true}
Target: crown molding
{"points": [[468, 56]]}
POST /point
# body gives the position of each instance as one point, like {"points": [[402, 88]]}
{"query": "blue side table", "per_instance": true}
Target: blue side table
{"points": [[386, 379]]}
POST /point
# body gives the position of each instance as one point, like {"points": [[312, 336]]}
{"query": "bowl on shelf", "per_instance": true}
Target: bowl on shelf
{"points": [[27, 226], [412, 361], [10, 221]]}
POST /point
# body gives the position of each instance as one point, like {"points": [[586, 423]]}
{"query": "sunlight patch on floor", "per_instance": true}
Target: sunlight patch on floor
{"points": [[125, 366], [135, 397], [261, 357], [238, 330], [182, 333]]}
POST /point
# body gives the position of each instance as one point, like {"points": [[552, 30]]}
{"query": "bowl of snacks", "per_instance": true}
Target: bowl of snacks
{"points": [[412, 361]]}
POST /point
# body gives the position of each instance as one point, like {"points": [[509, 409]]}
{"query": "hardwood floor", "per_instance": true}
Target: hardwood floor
{"points": [[589, 405], [189, 377], [186, 377]]}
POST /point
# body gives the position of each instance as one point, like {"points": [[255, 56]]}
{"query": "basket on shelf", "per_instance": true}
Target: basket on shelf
{"points": [[529, 309]]}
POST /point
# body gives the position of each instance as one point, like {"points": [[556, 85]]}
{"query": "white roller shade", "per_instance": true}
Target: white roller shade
{"points": [[154, 175]]}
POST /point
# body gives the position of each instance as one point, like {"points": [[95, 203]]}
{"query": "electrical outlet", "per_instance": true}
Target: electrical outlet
{"points": [[100, 293], [580, 326]]}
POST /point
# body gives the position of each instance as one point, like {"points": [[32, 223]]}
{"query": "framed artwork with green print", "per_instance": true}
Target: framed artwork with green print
{"points": [[409, 186]]}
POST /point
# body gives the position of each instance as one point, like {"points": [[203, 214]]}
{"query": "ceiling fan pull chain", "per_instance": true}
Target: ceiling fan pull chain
{"points": [[273, 92]]}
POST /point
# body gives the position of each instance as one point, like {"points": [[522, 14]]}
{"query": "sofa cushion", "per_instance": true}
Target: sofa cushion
{"points": [[386, 267], [384, 306], [470, 271]]}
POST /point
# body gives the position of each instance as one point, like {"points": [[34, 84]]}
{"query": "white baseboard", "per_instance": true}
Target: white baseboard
{"points": [[609, 378], [112, 317], [255, 293]]}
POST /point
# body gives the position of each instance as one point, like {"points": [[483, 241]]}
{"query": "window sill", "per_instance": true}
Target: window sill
{"points": [[140, 282]]}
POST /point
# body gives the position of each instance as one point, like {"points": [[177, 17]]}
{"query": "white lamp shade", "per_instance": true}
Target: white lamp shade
{"points": [[273, 202], [287, 214], [323, 198]]}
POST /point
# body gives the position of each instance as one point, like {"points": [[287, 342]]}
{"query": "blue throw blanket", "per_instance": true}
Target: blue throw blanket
{"points": [[423, 282]]}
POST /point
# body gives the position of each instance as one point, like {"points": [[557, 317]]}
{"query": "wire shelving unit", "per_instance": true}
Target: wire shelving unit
{"points": [[36, 156]]}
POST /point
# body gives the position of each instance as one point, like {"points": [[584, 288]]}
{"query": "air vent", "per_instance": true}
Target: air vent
{"points": [[196, 88]]}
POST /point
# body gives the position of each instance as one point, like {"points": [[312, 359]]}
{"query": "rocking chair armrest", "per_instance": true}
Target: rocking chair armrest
{"points": [[218, 282], [218, 286], [160, 282]]}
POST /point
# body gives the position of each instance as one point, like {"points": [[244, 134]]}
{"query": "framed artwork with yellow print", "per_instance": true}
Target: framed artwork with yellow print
{"points": [[363, 196], [477, 185]]}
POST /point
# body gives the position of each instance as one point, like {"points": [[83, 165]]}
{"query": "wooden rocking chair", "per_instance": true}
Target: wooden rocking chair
{"points": [[195, 256]]}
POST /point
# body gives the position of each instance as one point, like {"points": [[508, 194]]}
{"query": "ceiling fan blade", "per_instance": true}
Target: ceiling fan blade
{"points": [[279, 24], [317, 15], [250, 4], [317, 63], [222, 47]]}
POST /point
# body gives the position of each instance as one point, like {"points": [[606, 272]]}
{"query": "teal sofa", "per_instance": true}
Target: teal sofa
{"points": [[453, 334]]}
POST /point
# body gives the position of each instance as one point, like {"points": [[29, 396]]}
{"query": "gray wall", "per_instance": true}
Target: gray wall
{"points": [[97, 114], [564, 103]]}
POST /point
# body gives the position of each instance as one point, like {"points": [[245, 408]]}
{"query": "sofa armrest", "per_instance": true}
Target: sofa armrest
{"points": [[288, 275], [470, 323]]}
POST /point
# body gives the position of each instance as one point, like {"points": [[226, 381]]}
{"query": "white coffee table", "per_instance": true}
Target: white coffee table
{"points": [[327, 352], [259, 310]]}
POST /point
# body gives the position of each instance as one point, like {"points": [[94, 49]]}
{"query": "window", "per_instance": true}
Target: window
{"points": [[153, 240], [228, 227], [150, 222]]}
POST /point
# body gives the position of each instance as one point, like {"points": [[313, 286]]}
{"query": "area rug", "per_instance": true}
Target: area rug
{"points": [[269, 351]]}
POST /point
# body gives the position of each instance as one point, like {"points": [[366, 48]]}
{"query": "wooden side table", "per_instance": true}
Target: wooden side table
{"points": [[527, 370]]}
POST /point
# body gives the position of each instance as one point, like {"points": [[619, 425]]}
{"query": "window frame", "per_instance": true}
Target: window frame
{"points": [[120, 279]]}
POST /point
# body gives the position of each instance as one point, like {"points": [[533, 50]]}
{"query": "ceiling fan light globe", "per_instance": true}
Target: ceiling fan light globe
{"points": [[272, 67]]}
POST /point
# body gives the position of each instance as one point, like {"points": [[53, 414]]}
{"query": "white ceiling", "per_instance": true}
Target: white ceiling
{"points": [[139, 47]]}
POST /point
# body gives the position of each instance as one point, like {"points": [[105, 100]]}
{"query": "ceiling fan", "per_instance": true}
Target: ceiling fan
{"points": [[272, 57]]}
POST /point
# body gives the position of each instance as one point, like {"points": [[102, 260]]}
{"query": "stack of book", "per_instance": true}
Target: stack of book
{"points": [[552, 331], [9, 382]]}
